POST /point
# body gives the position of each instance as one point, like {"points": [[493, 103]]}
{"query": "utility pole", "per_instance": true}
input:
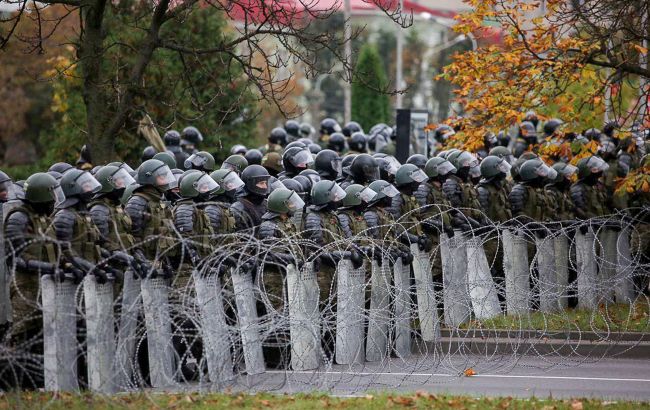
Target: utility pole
{"points": [[399, 64], [347, 86]]}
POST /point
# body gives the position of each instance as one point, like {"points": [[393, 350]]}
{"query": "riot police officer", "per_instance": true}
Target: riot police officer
{"points": [[191, 137], [292, 129], [418, 160], [202, 161], [358, 143], [336, 143], [526, 140], [588, 194], [276, 141], [328, 164], [167, 158], [254, 157], [528, 201], [351, 128], [172, 139], [492, 191], [350, 213], [235, 163], [294, 161], [272, 161], [327, 127], [364, 169], [557, 191], [229, 183], [405, 208], [251, 202], [461, 193]]}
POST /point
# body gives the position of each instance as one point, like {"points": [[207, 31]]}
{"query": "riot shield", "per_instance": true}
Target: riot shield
{"points": [[379, 314], [426, 295], [100, 335], [155, 301], [482, 291], [350, 313], [547, 284], [457, 308], [5, 278], [587, 270], [248, 321], [402, 309], [216, 340], [59, 334], [515, 268], [624, 269], [304, 317], [130, 308], [561, 250], [608, 261]]}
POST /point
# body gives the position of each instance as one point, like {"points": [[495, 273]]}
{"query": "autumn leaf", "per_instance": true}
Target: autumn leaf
{"points": [[576, 405], [640, 49], [469, 372]]}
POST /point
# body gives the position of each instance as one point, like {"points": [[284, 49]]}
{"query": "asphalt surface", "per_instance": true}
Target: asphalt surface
{"points": [[607, 379]]}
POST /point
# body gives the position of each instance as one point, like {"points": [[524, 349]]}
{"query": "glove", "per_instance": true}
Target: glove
{"points": [[329, 259], [584, 228], [449, 231], [357, 259], [425, 244], [407, 258]]}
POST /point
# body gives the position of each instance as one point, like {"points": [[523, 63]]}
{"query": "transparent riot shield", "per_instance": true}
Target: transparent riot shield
{"points": [[587, 270], [248, 320], [624, 269], [100, 335], [350, 313], [402, 309], [304, 317], [426, 295], [608, 260], [561, 250], [379, 314], [457, 305], [130, 308], [155, 301], [5, 278], [482, 291], [216, 340], [516, 270], [547, 284], [59, 334]]}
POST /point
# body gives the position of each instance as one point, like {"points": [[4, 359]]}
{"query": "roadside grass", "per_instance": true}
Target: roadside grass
{"points": [[607, 318], [419, 400]]}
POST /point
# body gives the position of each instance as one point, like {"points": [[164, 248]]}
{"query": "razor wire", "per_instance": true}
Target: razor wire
{"points": [[244, 319]]}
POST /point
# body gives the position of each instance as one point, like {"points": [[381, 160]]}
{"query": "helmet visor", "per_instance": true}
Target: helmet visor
{"points": [[228, 166], [392, 165], [418, 175], [277, 184], [58, 195], [475, 170], [6, 191], [294, 203], [195, 160], [260, 184], [367, 194], [544, 170], [205, 185], [126, 166], [121, 179], [302, 159], [390, 191], [164, 178], [371, 173], [337, 166], [597, 165], [231, 181], [504, 167], [607, 147], [88, 184], [445, 168], [313, 177], [337, 193], [569, 170]]}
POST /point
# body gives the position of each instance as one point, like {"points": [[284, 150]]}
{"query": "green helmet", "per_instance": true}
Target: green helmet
{"points": [[202, 160], [383, 189], [438, 166], [492, 166], [284, 201], [41, 188], [502, 152], [408, 174], [272, 161], [228, 180], [564, 171], [196, 184], [112, 177], [535, 168], [168, 159], [446, 154], [76, 182], [591, 165], [356, 195], [235, 163], [155, 173], [324, 192]]}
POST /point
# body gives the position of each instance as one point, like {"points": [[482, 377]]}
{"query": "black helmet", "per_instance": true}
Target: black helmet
{"points": [[81, 184], [336, 142], [296, 159], [299, 144], [306, 130], [312, 175], [364, 169], [292, 128], [314, 148], [148, 153], [238, 149], [256, 179], [418, 160], [60, 167], [192, 135], [388, 166], [328, 164], [351, 127], [358, 142], [443, 132], [609, 128], [254, 157], [278, 136], [294, 185], [592, 134], [172, 138], [329, 126], [305, 183], [346, 162], [551, 126]]}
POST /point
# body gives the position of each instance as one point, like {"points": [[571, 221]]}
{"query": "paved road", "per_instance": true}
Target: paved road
{"points": [[614, 379]]}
